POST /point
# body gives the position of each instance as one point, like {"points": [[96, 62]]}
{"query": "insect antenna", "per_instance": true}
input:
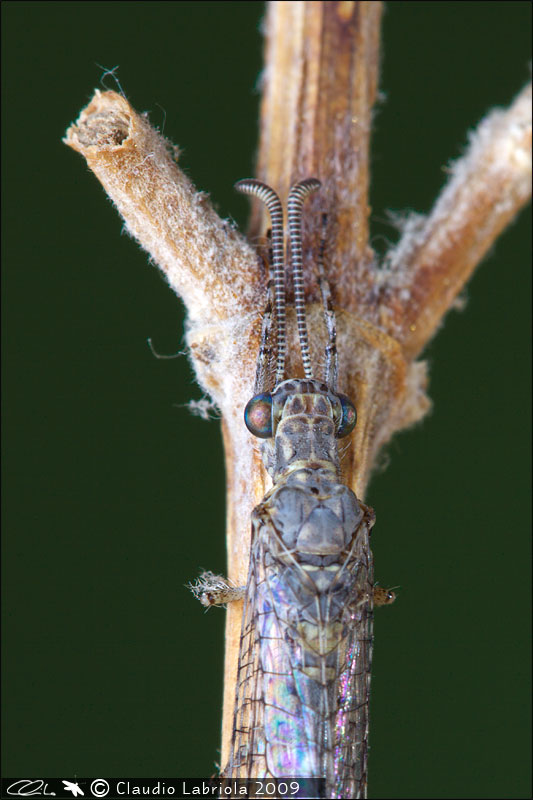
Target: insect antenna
{"points": [[273, 203], [297, 196]]}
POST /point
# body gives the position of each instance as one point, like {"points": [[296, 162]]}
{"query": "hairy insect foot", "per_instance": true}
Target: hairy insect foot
{"points": [[214, 590]]}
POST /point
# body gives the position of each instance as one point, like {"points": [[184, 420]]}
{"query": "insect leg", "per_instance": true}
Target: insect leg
{"points": [[331, 366], [383, 597], [264, 356], [214, 590]]}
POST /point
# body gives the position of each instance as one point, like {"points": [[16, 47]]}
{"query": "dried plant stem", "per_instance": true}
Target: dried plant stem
{"points": [[319, 86], [437, 254]]}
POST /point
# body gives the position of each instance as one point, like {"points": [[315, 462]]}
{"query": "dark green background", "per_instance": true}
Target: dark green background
{"points": [[114, 493]]}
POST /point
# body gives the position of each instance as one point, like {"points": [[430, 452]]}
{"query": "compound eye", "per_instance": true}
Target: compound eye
{"points": [[348, 417], [258, 415]]}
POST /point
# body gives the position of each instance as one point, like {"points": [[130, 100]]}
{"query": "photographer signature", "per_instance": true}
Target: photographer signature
{"points": [[26, 788]]}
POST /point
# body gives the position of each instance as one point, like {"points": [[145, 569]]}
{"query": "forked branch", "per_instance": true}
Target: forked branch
{"points": [[319, 87]]}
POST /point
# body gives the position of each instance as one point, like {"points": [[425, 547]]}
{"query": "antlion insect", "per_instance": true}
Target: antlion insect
{"points": [[301, 706]]}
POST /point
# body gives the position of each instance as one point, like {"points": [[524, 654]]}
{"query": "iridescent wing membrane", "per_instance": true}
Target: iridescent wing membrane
{"points": [[303, 686]]}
